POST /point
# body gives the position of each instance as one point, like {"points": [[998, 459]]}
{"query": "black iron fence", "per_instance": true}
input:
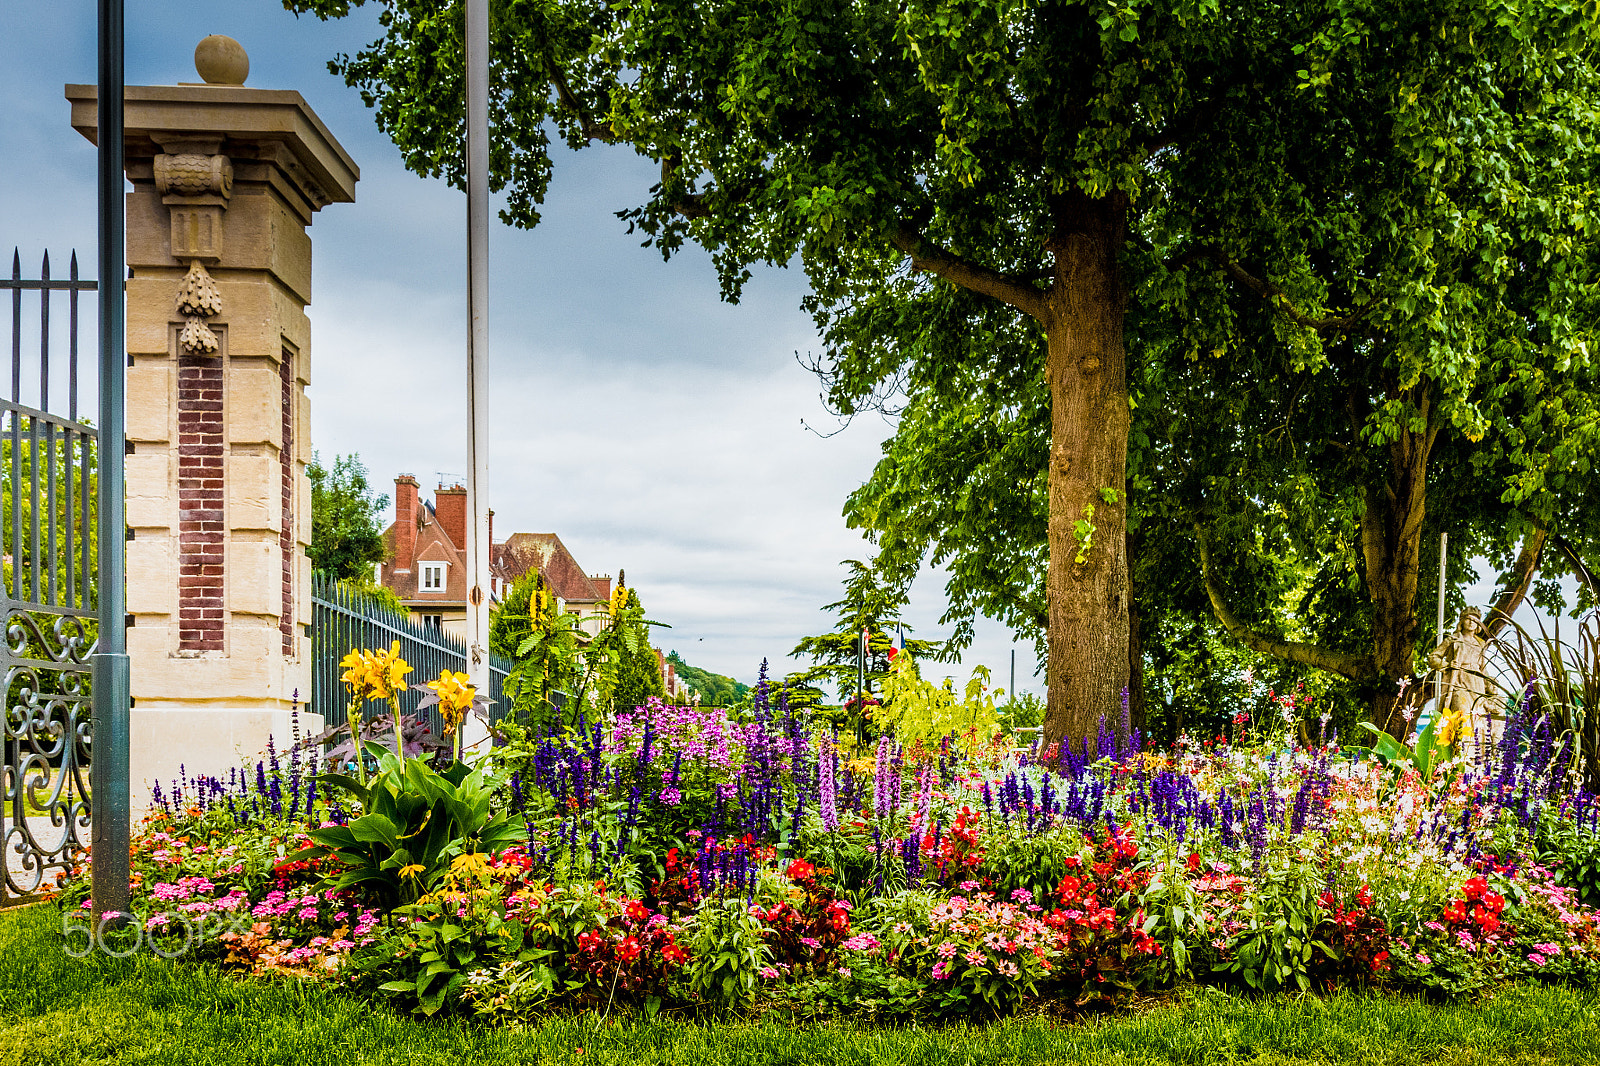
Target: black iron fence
{"points": [[343, 620], [48, 460]]}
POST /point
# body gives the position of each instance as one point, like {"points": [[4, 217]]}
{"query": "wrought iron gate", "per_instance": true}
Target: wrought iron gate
{"points": [[48, 533]]}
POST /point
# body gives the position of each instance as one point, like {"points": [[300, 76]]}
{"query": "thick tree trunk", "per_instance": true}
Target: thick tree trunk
{"points": [[1391, 546], [1087, 582]]}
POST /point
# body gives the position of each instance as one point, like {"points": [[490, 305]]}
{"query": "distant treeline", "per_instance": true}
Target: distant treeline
{"points": [[715, 690]]}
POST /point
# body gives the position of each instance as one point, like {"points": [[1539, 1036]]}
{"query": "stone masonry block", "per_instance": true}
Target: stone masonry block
{"points": [[152, 312], [254, 404], [258, 316], [294, 327], [149, 228], [151, 565], [255, 578], [150, 402], [152, 502], [302, 508], [255, 499]]}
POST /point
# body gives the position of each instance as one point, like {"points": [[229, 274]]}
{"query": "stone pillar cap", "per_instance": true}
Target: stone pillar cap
{"points": [[153, 114]]}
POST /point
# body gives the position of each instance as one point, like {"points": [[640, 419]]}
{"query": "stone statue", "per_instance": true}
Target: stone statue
{"points": [[1463, 705]]}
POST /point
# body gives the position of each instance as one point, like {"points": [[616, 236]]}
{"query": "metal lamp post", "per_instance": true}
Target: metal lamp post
{"points": [[109, 768], [478, 547]]}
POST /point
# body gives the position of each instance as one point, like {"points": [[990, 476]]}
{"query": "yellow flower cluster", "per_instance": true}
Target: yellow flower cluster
{"points": [[455, 694], [375, 674]]}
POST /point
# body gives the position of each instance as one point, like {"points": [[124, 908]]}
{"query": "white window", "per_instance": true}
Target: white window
{"points": [[377, 573], [433, 621], [432, 577]]}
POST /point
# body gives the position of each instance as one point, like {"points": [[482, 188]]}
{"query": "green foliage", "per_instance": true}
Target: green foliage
{"points": [[1021, 712], [346, 523], [1425, 754], [146, 1009], [545, 644], [921, 710], [69, 466], [1568, 683], [716, 690], [558, 666], [727, 952], [624, 645], [377, 595], [414, 820], [1281, 938]]}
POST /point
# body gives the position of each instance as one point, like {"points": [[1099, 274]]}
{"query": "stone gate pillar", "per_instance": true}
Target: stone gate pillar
{"points": [[225, 183]]}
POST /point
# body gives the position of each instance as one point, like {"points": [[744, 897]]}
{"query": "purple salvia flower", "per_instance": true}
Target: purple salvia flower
{"points": [[827, 797], [919, 814], [880, 782]]}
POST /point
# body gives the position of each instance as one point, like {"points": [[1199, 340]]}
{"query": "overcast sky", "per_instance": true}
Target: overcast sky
{"points": [[651, 426]]}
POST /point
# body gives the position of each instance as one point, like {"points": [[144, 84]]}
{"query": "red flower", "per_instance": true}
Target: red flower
{"points": [[628, 950], [637, 911]]}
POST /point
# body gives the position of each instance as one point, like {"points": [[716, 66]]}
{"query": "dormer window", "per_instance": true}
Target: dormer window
{"points": [[433, 577]]}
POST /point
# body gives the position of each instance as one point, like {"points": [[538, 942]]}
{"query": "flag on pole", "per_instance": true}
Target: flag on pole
{"points": [[899, 644]]}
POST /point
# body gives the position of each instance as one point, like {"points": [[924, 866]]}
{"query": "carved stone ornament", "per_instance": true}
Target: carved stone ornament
{"points": [[198, 300], [194, 175]]}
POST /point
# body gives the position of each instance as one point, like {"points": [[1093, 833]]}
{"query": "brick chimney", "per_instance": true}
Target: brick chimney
{"points": [[491, 532], [602, 583], [450, 507], [405, 522]]}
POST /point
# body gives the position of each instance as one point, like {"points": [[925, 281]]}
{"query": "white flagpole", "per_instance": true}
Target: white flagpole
{"points": [[477, 63]]}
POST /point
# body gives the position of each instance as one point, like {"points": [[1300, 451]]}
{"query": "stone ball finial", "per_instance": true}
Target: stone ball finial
{"points": [[221, 60]]}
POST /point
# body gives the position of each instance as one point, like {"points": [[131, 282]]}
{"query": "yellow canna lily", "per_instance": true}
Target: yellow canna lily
{"points": [[375, 675], [455, 694]]}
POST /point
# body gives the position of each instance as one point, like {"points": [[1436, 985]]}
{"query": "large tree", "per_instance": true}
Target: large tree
{"points": [[1354, 166], [346, 534]]}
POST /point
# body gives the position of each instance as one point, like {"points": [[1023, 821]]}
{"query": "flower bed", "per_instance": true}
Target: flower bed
{"points": [[683, 857]]}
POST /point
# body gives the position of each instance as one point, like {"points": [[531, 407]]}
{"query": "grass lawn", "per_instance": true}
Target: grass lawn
{"points": [[56, 1009]]}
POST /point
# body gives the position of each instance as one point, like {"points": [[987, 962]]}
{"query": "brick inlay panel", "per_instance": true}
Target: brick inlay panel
{"points": [[201, 525], [286, 531]]}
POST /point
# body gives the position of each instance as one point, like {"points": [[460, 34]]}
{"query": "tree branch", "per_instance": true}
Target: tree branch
{"points": [[1522, 572], [1346, 664], [1276, 296], [926, 255], [591, 130], [1578, 566]]}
